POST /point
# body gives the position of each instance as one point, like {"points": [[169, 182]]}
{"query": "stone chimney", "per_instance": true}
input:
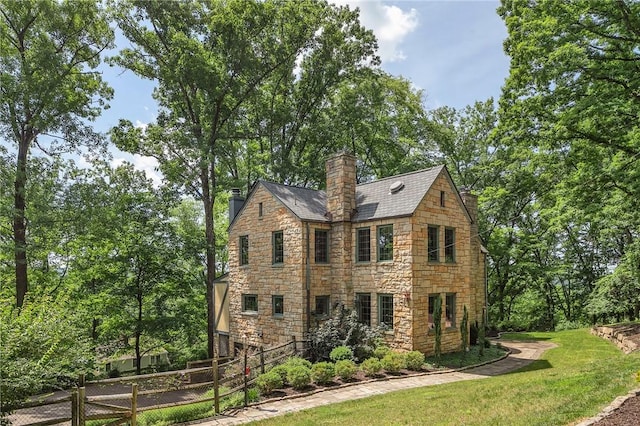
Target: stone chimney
{"points": [[471, 202], [235, 203], [341, 186]]}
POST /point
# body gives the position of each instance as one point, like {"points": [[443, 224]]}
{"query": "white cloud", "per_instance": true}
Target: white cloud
{"points": [[390, 24], [141, 125], [148, 165]]}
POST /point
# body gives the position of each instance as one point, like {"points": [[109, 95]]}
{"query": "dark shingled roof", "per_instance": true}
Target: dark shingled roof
{"points": [[307, 204], [374, 200]]}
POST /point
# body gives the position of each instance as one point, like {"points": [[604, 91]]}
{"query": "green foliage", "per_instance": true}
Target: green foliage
{"points": [[323, 372], [414, 360], [346, 369], [299, 376], [381, 351], [269, 381], [236, 399], [296, 360], [371, 366], [43, 349], [281, 370], [343, 329], [570, 325], [340, 353], [437, 326], [473, 333], [464, 330], [393, 362], [49, 87]]}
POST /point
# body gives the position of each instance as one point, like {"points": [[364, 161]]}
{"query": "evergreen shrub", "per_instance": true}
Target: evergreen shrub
{"points": [[414, 360], [371, 366], [299, 376], [346, 369], [323, 372], [340, 353]]}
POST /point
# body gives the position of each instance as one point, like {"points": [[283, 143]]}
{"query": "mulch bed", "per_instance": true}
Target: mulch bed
{"points": [[627, 414]]}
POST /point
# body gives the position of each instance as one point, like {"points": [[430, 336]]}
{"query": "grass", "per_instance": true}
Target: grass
{"points": [[458, 359], [570, 382]]}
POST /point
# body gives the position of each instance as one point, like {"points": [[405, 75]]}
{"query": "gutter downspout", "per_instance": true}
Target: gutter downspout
{"points": [[308, 280]]}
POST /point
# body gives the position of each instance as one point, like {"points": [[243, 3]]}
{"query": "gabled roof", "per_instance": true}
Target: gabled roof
{"points": [[305, 203], [376, 201]]}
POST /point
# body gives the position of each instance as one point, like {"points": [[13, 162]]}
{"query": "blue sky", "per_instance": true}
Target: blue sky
{"points": [[452, 50]]}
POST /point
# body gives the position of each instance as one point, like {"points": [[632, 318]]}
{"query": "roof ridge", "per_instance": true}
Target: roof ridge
{"points": [[288, 186], [402, 174]]}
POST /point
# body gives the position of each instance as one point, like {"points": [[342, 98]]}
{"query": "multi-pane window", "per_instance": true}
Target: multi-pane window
{"points": [[244, 250], [385, 242], [249, 303], [278, 247], [433, 247], [323, 306], [363, 308], [449, 245], [450, 310], [385, 310], [433, 299], [322, 246], [363, 244], [277, 305]]}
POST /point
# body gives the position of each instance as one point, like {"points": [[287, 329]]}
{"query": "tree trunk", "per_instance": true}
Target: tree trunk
{"points": [[19, 221], [208, 201]]}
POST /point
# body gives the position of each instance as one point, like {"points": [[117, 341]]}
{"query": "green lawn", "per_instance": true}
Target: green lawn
{"points": [[573, 381]]}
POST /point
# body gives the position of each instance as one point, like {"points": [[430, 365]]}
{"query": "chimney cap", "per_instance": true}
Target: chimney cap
{"points": [[235, 192]]}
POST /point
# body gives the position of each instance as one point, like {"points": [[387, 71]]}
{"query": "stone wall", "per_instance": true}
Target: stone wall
{"points": [[262, 277]]}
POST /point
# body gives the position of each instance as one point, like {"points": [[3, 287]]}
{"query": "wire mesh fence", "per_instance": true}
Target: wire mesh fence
{"points": [[213, 386]]}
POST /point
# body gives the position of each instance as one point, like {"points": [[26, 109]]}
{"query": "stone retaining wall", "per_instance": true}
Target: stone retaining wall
{"points": [[626, 337]]}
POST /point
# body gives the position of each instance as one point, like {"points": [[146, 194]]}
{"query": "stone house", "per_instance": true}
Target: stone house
{"points": [[384, 248]]}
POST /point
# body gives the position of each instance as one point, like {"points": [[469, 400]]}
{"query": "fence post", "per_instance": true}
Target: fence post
{"points": [[295, 345], [216, 391], [81, 380], [261, 360], [81, 413], [74, 407], [134, 404], [246, 379]]}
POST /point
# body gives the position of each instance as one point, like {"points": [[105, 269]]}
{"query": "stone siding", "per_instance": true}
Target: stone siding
{"points": [[410, 277]]}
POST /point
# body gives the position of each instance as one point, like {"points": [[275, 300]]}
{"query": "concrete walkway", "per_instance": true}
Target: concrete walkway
{"points": [[522, 353]]}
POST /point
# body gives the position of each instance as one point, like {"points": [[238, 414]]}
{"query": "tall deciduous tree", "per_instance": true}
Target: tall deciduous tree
{"points": [[49, 49], [211, 60]]}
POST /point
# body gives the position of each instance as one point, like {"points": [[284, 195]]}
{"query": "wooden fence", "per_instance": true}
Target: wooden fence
{"points": [[120, 400]]}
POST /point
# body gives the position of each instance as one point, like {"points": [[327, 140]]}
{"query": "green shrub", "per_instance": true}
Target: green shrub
{"points": [[296, 360], [269, 381], [299, 376], [414, 360], [393, 362], [323, 372], [282, 370], [340, 353], [371, 366], [381, 351], [343, 329], [346, 369]]}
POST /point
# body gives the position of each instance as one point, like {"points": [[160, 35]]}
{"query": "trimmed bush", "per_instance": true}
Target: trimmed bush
{"points": [[269, 381], [296, 360], [414, 360], [393, 362], [282, 370], [323, 372], [371, 366], [346, 369], [340, 353], [299, 376], [381, 351]]}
